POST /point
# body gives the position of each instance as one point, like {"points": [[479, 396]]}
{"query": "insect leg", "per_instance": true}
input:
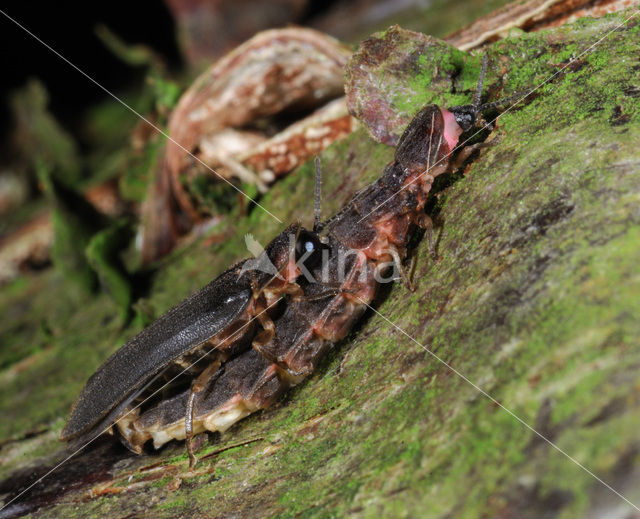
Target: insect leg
{"points": [[479, 86], [268, 330], [263, 338], [331, 291], [425, 222], [198, 385], [398, 264], [274, 344]]}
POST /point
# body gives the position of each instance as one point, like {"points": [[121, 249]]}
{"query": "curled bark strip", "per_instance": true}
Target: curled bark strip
{"points": [[300, 141], [532, 15], [230, 150], [221, 119], [273, 71]]}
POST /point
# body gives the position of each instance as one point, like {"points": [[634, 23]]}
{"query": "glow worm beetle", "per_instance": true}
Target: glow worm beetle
{"points": [[246, 368]]}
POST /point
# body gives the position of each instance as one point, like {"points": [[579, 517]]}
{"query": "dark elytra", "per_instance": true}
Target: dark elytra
{"points": [[137, 364], [130, 369]]}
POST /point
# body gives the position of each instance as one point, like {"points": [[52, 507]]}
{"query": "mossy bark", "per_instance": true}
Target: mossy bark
{"points": [[534, 299]]}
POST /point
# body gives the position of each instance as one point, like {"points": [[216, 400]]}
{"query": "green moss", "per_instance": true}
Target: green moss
{"points": [[451, 63], [103, 254], [74, 222], [139, 170], [41, 139], [209, 192]]}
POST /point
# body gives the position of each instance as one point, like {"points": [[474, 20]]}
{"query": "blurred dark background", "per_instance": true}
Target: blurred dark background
{"points": [[205, 29], [70, 30]]}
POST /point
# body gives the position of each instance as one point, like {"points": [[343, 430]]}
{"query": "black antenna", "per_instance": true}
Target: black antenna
{"points": [[479, 86], [519, 96], [467, 115], [316, 222]]}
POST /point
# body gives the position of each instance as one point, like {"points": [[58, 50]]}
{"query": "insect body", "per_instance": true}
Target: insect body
{"points": [[328, 276], [360, 243], [217, 322]]}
